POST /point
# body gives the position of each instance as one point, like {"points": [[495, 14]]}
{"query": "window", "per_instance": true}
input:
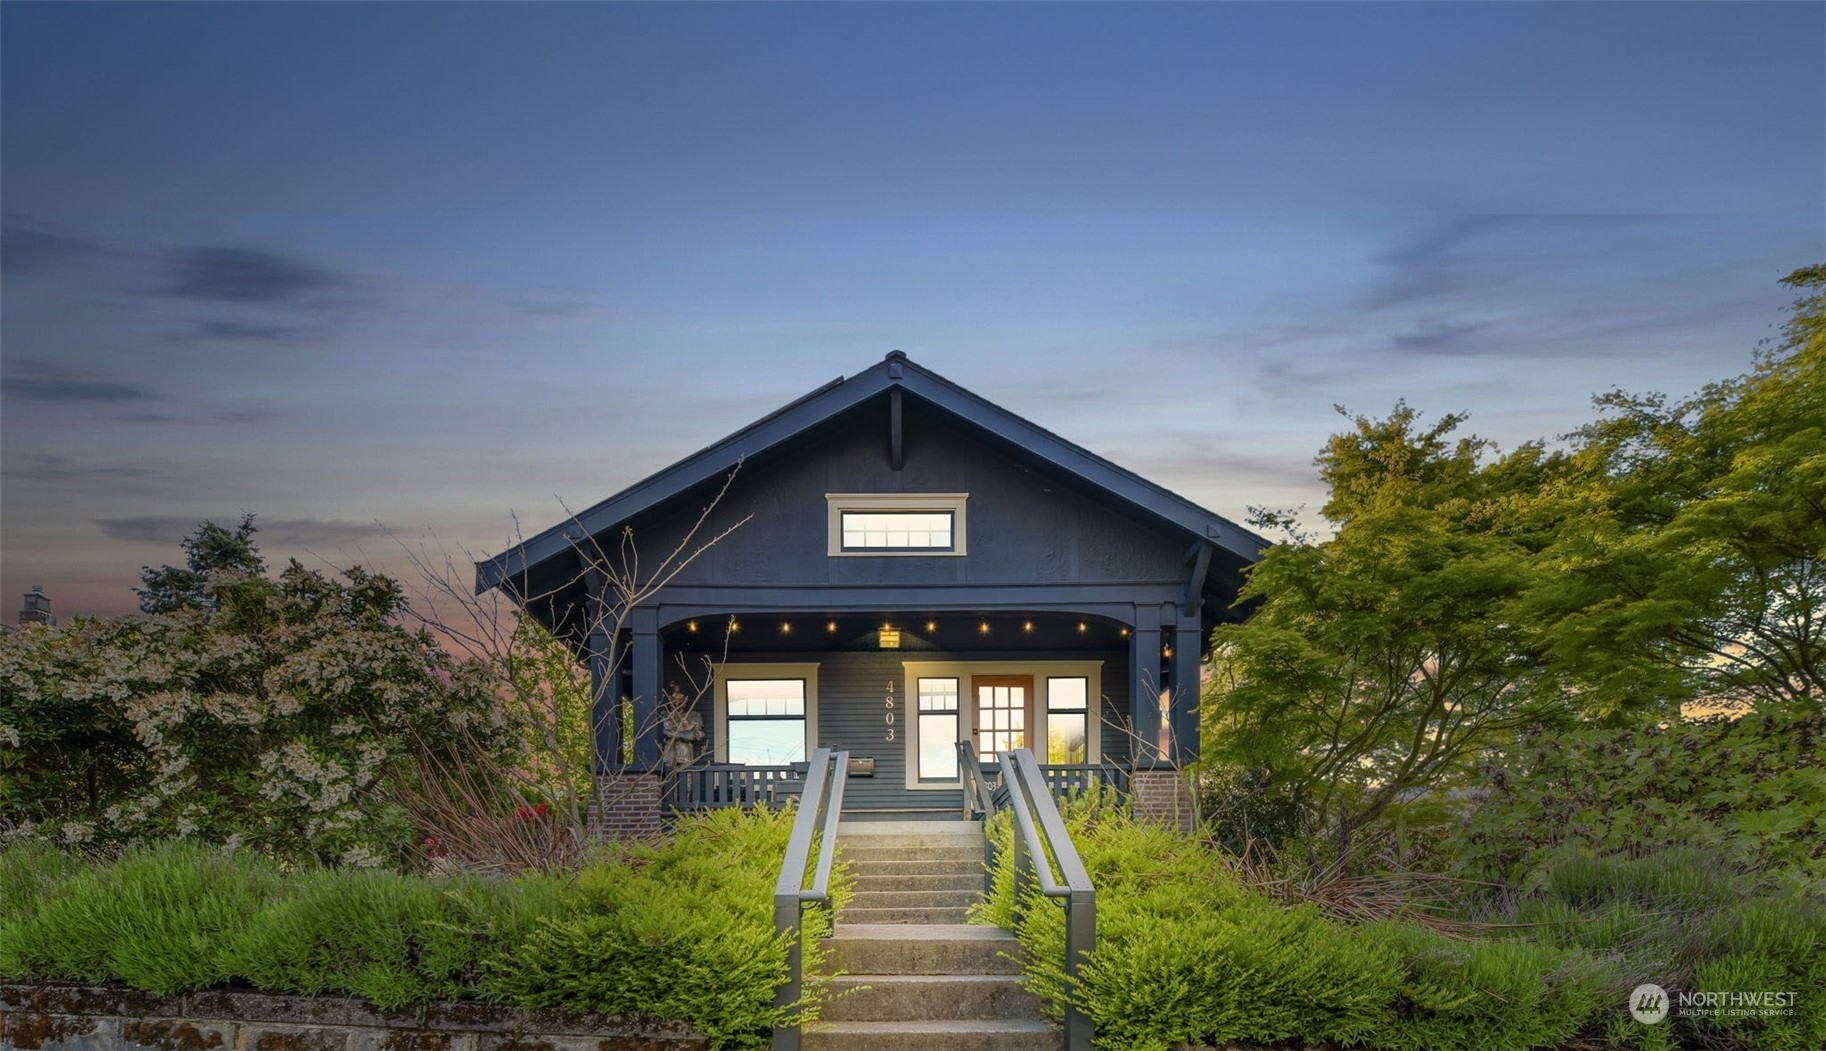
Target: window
{"points": [[896, 524], [884, 530], [937, 729], [766, 714], [1067, 713], [766, 721], [1050, 706]]}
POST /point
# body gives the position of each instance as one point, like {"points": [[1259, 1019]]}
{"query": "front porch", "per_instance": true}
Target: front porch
{"points": [[1094, 695], [710, 786]]}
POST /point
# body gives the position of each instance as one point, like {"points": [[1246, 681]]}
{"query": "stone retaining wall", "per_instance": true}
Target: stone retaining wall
{"points": [[63, 1017]]}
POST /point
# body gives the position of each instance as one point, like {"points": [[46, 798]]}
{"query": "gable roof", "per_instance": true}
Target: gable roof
{"points": [[895, 372]]}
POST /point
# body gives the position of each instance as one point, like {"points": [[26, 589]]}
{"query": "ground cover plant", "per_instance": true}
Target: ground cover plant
{"points": [[682, 930], [1191, 952]]}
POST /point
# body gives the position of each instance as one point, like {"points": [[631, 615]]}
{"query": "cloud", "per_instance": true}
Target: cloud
{"points": [[60, 470], [228, 274], [49, 381], [1440, 337], [276, 532], [204, 420], [26, 246], [1477, 252], [557, 310], [250, 332]]}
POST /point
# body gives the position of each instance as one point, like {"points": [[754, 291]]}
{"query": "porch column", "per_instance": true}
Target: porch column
{"points": [[1188, 651], [644, 660], [605, 706], [605, 685], [1144, 687]]}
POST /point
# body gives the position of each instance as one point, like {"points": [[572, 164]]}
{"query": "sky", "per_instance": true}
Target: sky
{"points": [[392, 274]]}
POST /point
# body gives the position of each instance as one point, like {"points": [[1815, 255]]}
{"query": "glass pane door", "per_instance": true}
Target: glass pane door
{"points": [[1004, 710]]}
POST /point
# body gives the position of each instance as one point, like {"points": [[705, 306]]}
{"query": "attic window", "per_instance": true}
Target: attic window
{"points": [[896, 524]]}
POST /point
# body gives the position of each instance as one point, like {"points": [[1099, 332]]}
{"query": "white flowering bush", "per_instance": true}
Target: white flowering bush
{"points": [[280, 715]]}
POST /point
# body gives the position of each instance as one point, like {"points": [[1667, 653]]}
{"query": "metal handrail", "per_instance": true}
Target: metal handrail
{"points": [[819, 809], [970, 778], [1033, 805]]}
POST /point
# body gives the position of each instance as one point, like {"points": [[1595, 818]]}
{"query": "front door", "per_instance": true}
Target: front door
{"points": [[1004, 711]]}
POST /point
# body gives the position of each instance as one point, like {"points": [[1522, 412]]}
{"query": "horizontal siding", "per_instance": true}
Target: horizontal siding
{"points": [[852, 689]]}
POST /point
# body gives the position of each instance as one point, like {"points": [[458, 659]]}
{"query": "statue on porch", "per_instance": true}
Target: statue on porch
{"points": [[683, 729]]}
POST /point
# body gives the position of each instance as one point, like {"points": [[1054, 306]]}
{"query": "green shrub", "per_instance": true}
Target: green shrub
{"points": [[1252, 971], [683, 931], [30, 869], [156, 919], [1486, 995], [1749, 792], [389, 938]]}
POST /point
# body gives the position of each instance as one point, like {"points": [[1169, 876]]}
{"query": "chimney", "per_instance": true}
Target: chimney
{"points": [[37, 608]]}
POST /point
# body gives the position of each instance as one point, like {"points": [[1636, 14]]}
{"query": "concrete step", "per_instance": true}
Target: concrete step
{"points": [[882, 865], [847, 827], [953, 898], [941, 997], [917, 948], [956, 914], [968, 882], [978, 1035], [919, 851]]}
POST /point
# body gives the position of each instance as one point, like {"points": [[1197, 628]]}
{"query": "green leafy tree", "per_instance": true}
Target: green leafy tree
{"points": [[61, 753], [1695, 565], [210, 550], [1380, 662], [276, 713]]}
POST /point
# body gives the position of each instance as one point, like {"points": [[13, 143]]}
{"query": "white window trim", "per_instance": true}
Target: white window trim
{"points": [[962, 671], [738, 672], [837, 503]]}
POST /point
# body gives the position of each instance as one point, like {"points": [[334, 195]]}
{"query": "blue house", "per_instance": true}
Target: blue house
{"points": [[908, 566]]}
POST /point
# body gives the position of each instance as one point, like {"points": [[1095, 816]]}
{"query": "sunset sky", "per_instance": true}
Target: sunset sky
{"points": [[361, 268]]}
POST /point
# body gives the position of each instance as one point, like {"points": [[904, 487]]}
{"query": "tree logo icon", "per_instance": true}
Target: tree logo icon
{"points": [[1648, 1003]]}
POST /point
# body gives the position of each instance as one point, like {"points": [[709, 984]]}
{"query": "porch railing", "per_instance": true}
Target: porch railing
{"points": [[1069, 779], [704, 786], [1040, 843], [819, 809], [976, 785], [981, 781]]}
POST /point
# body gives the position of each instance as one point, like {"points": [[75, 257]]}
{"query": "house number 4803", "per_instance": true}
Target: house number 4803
{"points": [[888, 715]]}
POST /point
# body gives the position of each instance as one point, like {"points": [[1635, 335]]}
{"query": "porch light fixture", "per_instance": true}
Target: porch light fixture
{"points": [[931, 626], [786, 627], [830, 626], [983, 627], [1027, 625], [691, 625], [890, 638], [1083, 627], [1125, 632]]}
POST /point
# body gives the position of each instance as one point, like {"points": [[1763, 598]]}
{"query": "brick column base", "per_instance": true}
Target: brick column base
{"points": [[627, 806], [1162, 795]]}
